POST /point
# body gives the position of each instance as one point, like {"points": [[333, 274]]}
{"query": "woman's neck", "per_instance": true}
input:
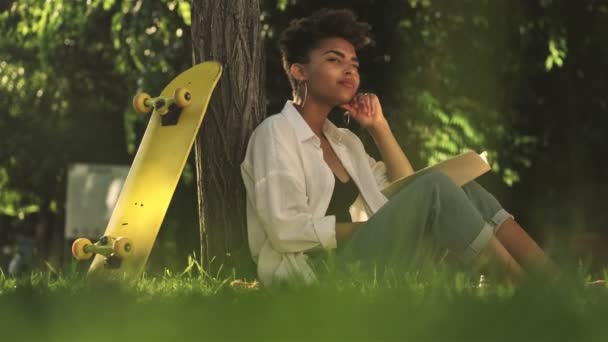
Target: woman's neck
{"points": [[314, 113]]}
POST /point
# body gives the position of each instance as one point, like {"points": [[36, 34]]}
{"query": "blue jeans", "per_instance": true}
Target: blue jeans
{"points": [[432, 212]]}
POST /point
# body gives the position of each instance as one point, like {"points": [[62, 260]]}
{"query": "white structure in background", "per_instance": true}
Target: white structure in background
{"points": [[93, 190]]}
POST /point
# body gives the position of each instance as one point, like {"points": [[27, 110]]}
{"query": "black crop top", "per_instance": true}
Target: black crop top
{"points": [[344, 195]]}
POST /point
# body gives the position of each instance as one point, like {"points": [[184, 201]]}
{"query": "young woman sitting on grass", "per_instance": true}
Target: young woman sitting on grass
{"points": [[311, 187]]}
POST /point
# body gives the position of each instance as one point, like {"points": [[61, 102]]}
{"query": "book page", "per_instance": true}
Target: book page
{"points": [[462, 169]]}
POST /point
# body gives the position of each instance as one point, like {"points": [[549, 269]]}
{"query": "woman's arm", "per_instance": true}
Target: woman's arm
{"points": [[276, 193], [367, 111], [344, 230]]}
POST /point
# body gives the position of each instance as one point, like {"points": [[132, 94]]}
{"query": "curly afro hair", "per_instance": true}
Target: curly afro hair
{"points": [[305, 34]]}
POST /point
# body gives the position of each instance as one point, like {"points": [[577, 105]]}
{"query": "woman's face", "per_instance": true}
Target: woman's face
{"points": [[333, 72]]}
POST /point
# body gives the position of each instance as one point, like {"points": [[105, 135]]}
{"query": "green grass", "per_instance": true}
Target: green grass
{"points": [[432, 304]]}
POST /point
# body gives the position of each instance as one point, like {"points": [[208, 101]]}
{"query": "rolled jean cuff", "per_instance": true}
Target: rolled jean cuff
{"points": [[479, 243], [500, 217]]}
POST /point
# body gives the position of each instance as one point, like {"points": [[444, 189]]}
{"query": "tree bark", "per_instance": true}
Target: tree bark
{"points": [[229, 32]]}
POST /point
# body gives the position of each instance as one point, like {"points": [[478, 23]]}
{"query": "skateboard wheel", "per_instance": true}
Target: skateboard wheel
{"points": [[122, 247], [78, 249], [139, 103], [182, 97]]}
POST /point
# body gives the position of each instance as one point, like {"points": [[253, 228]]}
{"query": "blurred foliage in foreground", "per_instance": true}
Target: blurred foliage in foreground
{"points": [[427, 305]]}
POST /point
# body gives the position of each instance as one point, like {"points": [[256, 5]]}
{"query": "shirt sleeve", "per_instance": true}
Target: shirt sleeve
{"points": [[278, 195], [379, 172]]}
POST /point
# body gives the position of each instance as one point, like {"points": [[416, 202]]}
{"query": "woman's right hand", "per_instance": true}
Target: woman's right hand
{"points": [[365, 108], [344, 230]]}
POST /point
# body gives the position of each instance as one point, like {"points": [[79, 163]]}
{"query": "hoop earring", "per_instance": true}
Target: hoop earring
{"points": [[305, 92], [347, 118]]}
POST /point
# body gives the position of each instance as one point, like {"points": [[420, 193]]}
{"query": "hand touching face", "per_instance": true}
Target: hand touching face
{"points": [[365, 108]]}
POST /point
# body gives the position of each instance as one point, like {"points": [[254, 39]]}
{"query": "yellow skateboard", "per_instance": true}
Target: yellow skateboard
{"points": [[139, 212]]}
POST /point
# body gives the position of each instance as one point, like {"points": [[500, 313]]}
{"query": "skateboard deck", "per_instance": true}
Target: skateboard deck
{"points": [[160, 159]]}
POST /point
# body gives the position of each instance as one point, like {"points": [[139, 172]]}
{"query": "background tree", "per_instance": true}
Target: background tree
{"points": [[229, 32]]}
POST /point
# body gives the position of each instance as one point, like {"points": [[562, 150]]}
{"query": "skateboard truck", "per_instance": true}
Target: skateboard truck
{"points": [[169, 108], [114, 249]]}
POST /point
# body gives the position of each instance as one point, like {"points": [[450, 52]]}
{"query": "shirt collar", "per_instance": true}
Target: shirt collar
{"points": [[303, 131], [332, 131]]}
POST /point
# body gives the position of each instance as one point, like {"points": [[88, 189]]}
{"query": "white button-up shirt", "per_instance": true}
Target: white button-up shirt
{"points": [[289, 186]]}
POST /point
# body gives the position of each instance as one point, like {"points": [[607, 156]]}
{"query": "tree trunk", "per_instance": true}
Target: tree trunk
{"points": [[229, 32]]}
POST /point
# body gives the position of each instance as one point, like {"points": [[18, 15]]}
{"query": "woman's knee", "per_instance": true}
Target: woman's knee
{"points": [[473, 188], [431, 185], [439, 179], [482, 198]]}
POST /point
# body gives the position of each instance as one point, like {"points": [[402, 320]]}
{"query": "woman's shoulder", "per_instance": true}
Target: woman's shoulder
{"points": [[273, 134], [273, 122], [275, 126]]}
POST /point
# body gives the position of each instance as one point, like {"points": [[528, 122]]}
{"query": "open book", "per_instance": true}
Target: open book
{"points": [[462, 169]]}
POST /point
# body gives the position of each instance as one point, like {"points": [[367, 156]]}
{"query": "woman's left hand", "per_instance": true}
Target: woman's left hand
{"points": [[365, 108]]}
